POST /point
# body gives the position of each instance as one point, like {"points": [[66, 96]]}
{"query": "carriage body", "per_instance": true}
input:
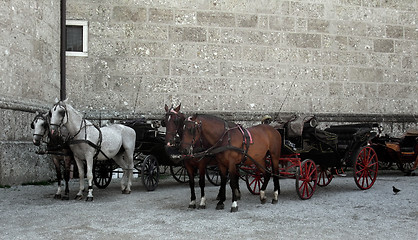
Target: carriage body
{"points": [[400, 151], [313, 156], [338, 147]]}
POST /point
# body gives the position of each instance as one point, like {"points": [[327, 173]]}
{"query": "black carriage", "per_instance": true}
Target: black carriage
{"points": [[150, 158], [401, 151], [313, 156]]}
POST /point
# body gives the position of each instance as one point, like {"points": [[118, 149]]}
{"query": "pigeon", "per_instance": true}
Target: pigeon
{"points": [[395, 190]]}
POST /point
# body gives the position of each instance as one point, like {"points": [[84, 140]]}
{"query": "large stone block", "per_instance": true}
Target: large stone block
{"points": [[365, 75], [19, 164], [161, 15], [189, 34], [219, 19], [304, 40], [129, 14], [383, 45]]}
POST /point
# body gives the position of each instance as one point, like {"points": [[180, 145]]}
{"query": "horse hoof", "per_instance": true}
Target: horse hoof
{"points": [[78, 197], [89, 199], [274, 201], [192, 206], [57, 196], [234, 209], [263, 201], [202, 207], [126, 192], [220, 206]]}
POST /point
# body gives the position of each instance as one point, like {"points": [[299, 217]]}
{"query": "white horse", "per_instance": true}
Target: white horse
{"points": [[89, 143], [56, 147]]}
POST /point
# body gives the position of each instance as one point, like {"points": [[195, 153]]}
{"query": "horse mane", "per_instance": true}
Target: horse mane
{"points": [[213, 117]]}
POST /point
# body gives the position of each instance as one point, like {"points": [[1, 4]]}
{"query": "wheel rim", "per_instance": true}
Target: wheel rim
{"points": [[150, 173], [102, 174], [254, 182], [365, 168], [306, 179], [324, 177], [179, 173], [213, 175]]}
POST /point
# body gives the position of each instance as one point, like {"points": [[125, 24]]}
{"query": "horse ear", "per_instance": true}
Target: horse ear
{"points": [[166, 107], [177, 109], [56, 100], [36, 113]]}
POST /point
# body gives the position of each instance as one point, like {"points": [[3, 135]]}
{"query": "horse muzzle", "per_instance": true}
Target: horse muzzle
{"points": [[36, 142]]}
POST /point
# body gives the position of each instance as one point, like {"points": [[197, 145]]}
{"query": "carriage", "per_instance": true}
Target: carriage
{"points": [[313, 157], [400, 151], [150, 158]]}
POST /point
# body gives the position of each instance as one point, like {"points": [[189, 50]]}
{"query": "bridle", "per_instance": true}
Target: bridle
{"points": [[45, 125], [176, 117], [197, 126], [58, 104]]}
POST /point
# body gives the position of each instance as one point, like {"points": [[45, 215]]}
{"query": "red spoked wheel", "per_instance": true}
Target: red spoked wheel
{"points": [[254, 181], [306, 179], [365, 168], [324, 176]]}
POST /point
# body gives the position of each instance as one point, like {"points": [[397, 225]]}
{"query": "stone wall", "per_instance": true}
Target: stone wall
{"points": [[246, 57], [29, 79]]}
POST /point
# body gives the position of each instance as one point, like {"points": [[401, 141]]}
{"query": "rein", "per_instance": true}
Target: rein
{"points": [[83, 125]]}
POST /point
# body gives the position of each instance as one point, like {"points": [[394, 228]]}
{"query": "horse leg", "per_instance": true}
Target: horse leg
{"points": [[276, 181], [80, 166], [234, 187], [190, 172], [222, 191], [89, 161], [59, 176], [202, 171], [127, 167], [67, 165], [263, 197]]}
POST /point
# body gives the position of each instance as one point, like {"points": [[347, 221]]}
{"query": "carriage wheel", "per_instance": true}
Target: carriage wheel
{"points": [[254, 180], [405, 167], [306, 179], [365, 168], [385, 165], [213, 174], [150, 173], [179, 173], [324, 177], [102, 173]]}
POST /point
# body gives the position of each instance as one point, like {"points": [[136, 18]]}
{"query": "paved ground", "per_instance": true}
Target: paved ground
{"points": [[338, 211]]}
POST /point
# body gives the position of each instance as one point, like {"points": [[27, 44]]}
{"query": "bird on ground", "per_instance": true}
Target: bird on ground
{"points": [[395, 190]]}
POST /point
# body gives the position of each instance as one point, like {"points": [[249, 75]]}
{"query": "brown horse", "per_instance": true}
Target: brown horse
{"points": [[234, 146], [57, 147], [174, 122]]}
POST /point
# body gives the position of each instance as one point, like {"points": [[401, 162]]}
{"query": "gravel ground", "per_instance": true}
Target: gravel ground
{"points": [[338, 211]]}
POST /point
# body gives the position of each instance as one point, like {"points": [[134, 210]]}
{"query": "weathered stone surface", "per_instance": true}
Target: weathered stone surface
{"points": [[383, 45], [304, 40], [238, 58], [128, 13]]}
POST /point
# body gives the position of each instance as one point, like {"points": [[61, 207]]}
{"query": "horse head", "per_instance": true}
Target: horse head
{"points": [[40, 128], [192, 133], [173, 122], [58, 117]]}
